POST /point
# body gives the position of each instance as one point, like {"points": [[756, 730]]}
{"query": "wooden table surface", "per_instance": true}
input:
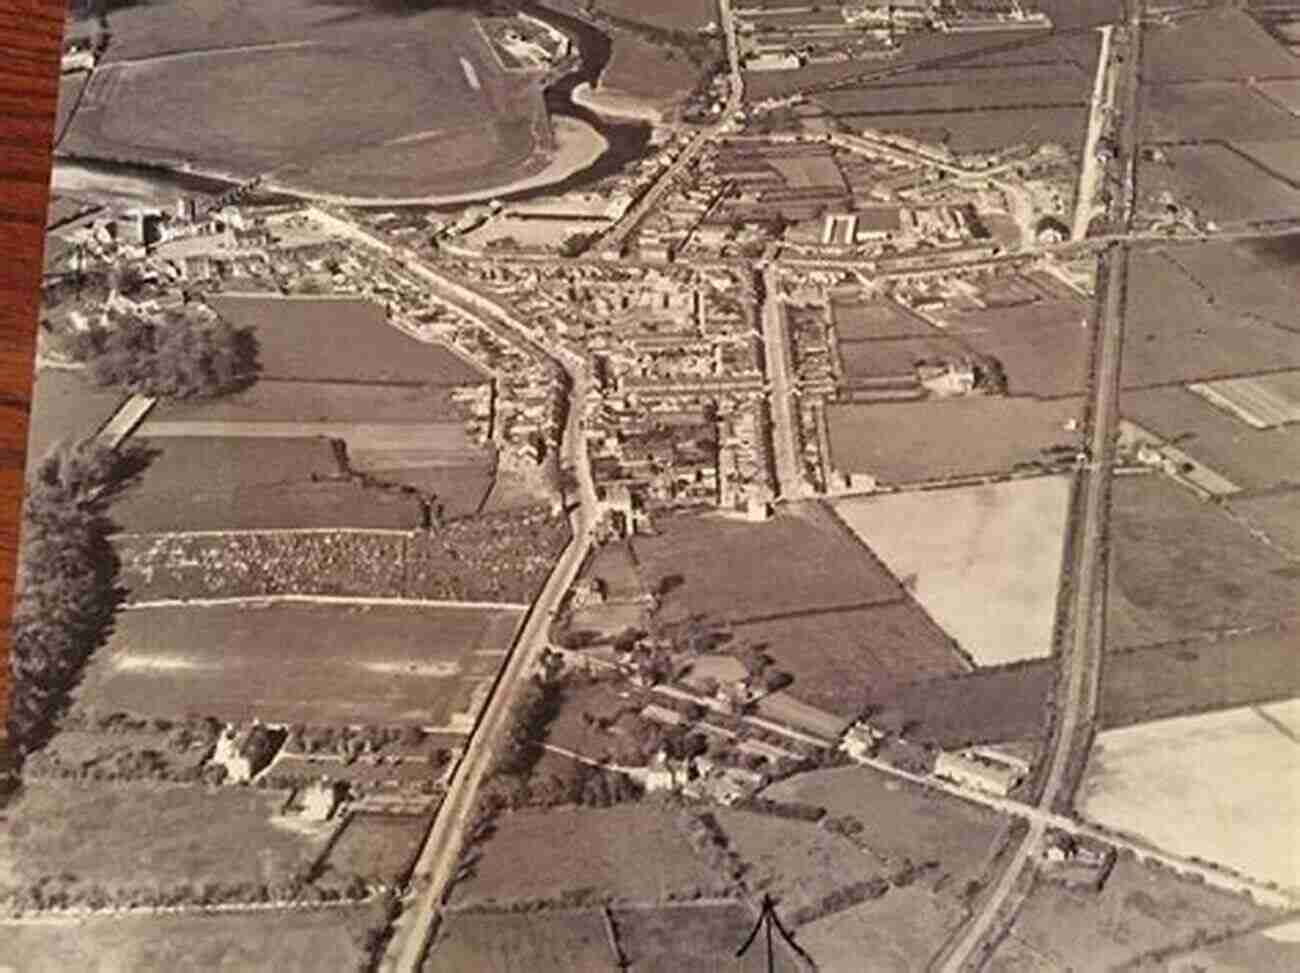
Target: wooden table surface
{"points": [[30, 36]]}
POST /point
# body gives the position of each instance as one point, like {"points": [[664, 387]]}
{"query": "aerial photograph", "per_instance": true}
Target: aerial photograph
{"points": [[671, 486]]}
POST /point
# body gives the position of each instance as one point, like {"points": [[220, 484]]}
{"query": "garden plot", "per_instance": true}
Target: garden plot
{"points": [[293, 662], [1188, 784], [984, 561]]}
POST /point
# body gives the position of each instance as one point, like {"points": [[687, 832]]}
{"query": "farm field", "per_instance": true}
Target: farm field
{"points": [[1277, 515], [652, 72], [1270, 949], [291, 941], [993, 93], [797, 861], [1263, 402], [1224, 44], [1042, 346], [987, 706], [70, 88], [1253, 459], [901, 443], [616, 567], [1280, 159], [839, 658], [226, 483], [631, 853], [345, 119], [1187, 783], [1219, 185], [982, 130], [139, 837], [902, 822], [694, 939], [900, 932], [864, 360], [536, 942], [293, 662], [1179, 567], [308, 401], [65, 406], [1213, 311], [855, 320], [1218, 111], [378, 847], [668, 14], [494, 557], [1138, 685], [810, 563], [985, 561], [316, 339], [1139, 910]]}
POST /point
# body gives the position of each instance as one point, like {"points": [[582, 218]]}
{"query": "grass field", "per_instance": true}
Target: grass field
{"points": [[378, 847], [548, 942], [1212, 311], [1281, 159], [1264, 401], [881, 318], [70, 88], [633, 853], [1277, 515], [138, 836], [902, 822], [224, 483], [1186, 784], [1219, 184], [810, 562], [798, 862], [297, 941], [369, 87], [984, 561], [650, 71], [1253, 459], [1272, 949], [900, 933], [887, 359], [990, 706], [982, 131], [1224, 44], [292, 662], [992, 93], [668, 14], [1158, 682], [1138, 910], [1224, 112], [66, 407], [322, 402], [839, 659], [694, 939], [1042, 346], [319, 339], [1179, 567], [902, 443]]}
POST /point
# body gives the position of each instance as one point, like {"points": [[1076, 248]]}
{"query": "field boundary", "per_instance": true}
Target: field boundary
{"points": [[267, 600]]}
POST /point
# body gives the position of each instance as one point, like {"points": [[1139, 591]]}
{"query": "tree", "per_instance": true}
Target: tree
{"points": [[776, 680], [179, 355]]}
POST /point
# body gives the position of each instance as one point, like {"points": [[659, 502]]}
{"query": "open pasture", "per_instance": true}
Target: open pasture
{"points": [[1187, 784], [1213, 111], [1139, 910], [293, 662], [900, 933], [1271, 949], [170, 102], [923, 98], [1264, 401], [902, 822], [632, 853], [653, 72], [1179, 567], [1223, 44], [548, 942], [986, 706], [1281, 159], [901, 443], [810, 562], [1042, 346], [381, 848], [683, 15], [879, 318], [130, 837], [1276, 515], [985, 561], [694, 938], [982, 130], [317, 339], [270, 400], [296, 941], [840, 658], [866, 361], [1219, 184], [66, 407], [1206, 312], [1253, 459], [1196, 676]]}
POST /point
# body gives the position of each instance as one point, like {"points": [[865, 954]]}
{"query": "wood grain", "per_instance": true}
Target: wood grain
{"points": [[31, 33]]}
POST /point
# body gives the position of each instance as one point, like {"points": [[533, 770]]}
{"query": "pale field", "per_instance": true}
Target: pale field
{"points": [[985, 560], [1223, 786], [900, 932]]}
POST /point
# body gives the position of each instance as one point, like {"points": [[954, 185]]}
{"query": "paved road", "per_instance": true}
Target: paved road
{"points": [[1090, 172]]}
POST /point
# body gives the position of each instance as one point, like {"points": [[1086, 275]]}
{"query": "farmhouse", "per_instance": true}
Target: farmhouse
{"points": [[978, 772], [246, 753]]}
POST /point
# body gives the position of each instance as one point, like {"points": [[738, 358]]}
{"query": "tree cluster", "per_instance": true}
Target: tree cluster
{"points": [[176, 355], [67, 579]]}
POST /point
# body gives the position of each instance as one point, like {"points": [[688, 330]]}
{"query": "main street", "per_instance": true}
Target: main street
{"points": [[1081, 649]]}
